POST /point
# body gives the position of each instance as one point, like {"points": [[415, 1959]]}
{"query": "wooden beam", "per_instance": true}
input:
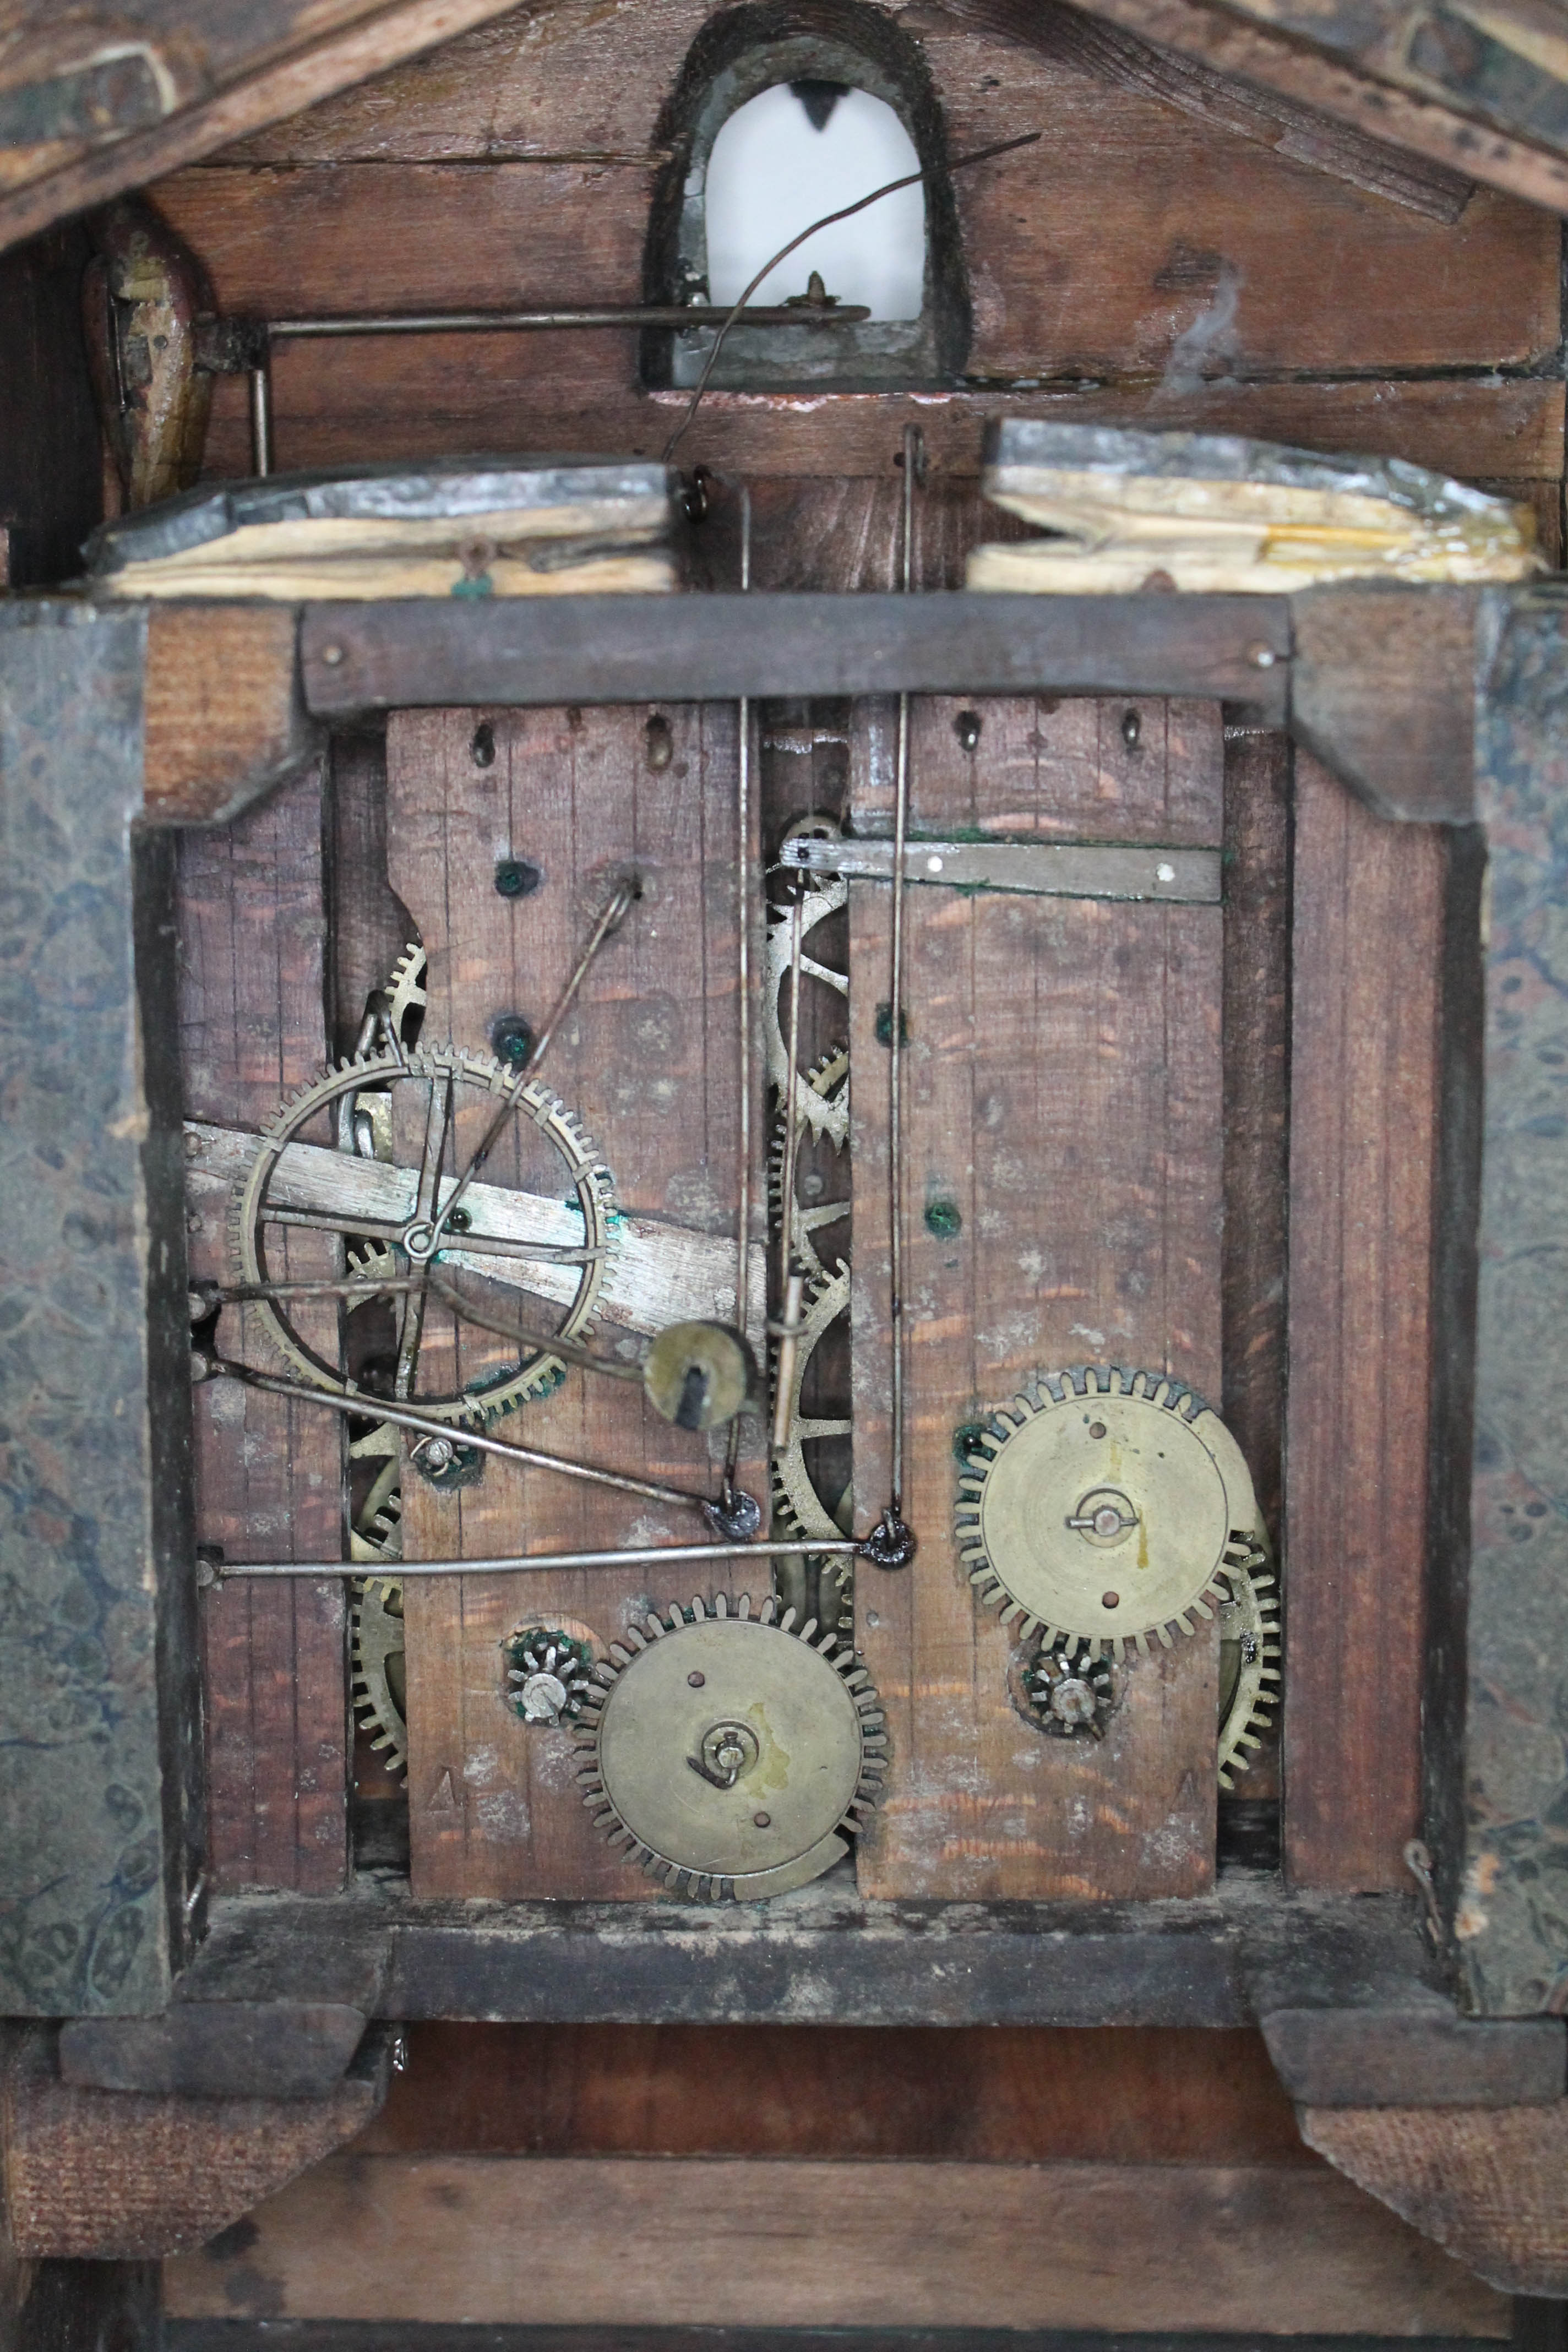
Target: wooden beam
{"points": [[600, 650], [215, 2049], [1308, 53], [813, 2243], [1210, 1961]]}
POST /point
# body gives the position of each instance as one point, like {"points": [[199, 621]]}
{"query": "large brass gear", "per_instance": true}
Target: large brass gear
{"points": [[1105, 1507], [822, 1113], [1249, 1677], [592, 1191], [795, 1493], [380, 1684], [729, 1753]]}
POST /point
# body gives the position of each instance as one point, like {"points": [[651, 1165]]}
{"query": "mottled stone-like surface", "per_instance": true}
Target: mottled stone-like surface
{"points": [[1512, 1920], [94, 1790]]}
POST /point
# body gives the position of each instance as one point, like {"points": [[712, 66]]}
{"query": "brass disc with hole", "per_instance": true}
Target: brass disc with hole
{"points": [[730, 1751], [1105, 1513]]}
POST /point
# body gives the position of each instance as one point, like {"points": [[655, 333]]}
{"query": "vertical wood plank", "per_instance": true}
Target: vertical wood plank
{"points": [[252, 924], [1063, 1088], [1365, 1032], [648, 1059], [1256, 1138]]}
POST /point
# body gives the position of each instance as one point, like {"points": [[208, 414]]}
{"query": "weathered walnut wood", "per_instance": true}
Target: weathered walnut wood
{"points": [[117, 2176], [1063, 1089], [1299, 132], [252, 925], [1369, 945], [612, 649], [934, 2245], [223, 716], [1423, 2057], [1324, 70], [241, 70], [1490, 2184], [1009, 2094], [648, 1059]]}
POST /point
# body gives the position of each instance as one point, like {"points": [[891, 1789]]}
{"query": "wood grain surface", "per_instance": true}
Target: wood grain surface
{"points": [[1063, 1089], [1489, 2183], [1001, 2095], [767, 2244], [252, 1015], [649, 1060], [1149, 260], [1364, 1076]]}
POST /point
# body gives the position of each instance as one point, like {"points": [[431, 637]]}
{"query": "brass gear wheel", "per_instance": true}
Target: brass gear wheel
{"points": [[592, 1193], [1104, 1505], [1072, 1696], [728, 1753], [822, 1113], [796, 1494], [547, 1675], [405, 994], [1249, 1677], [828, 1078], [380, 1685]]}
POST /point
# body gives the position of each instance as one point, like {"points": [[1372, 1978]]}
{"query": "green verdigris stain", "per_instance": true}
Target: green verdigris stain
{"points": [[944, 1219]]}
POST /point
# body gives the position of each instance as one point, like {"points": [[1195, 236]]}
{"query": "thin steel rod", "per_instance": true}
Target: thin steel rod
{"points": [[744, 982], [792, 1114], [370, 1408], [618, 904], [895, 1025], [261, 420], [648, 1555], [637, 314]]}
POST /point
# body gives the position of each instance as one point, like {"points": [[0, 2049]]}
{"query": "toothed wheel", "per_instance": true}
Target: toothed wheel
{"points": [[828, 1078], [524, 1237], [1104, 1506], [1071, 1696], [820, 1113], [1249, 1677], [730, 1753], [547, 1675], [405, 994], [380, 1682], [794, 1489]]}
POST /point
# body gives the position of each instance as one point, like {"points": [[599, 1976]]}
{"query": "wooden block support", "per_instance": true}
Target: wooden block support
{"points": [[1063, 1090], [100, 2176], [252, 1010], [649, 1061], [1490, 2184]]}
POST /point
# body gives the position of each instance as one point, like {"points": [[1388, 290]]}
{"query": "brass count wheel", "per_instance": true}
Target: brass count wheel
{"points": [[727, 1752], [1104, 1505]]}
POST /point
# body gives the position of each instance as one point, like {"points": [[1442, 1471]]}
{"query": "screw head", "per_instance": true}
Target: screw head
{"points": [[762, 1821], [967, 727], [332, 656], [516, 877], [696, 1680], [1111, 1600], [1262, 656], [511, 1040]]}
